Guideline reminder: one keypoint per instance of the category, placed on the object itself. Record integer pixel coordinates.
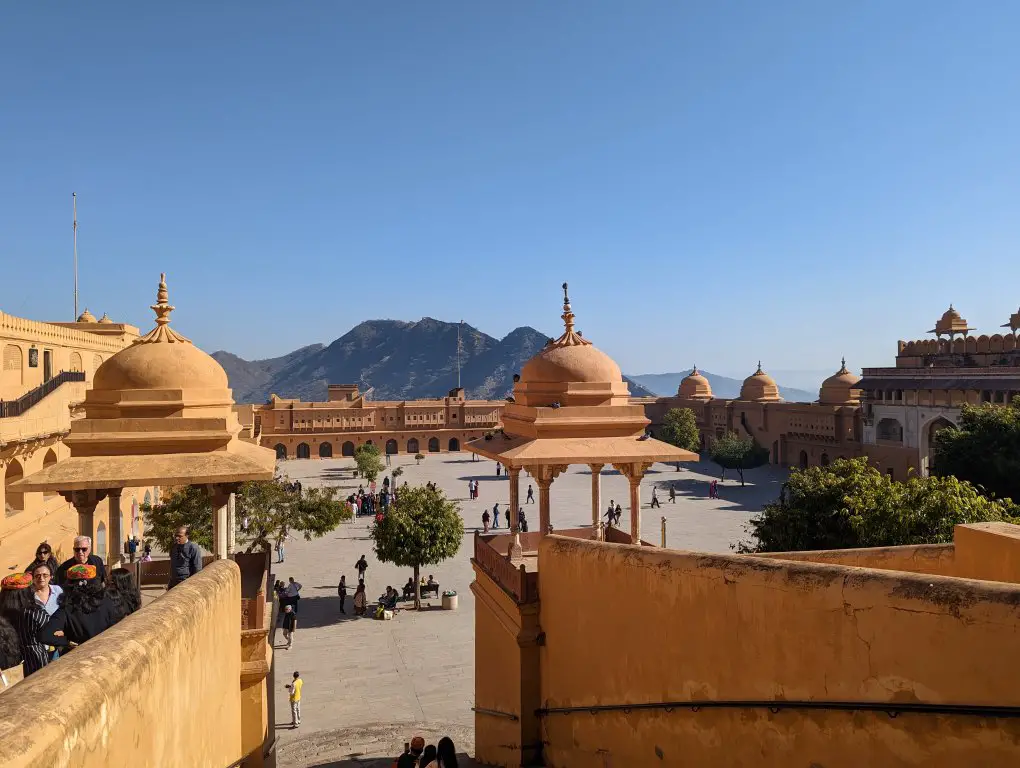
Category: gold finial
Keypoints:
(694, 370)
(570, 337)
(162, 332)
(568, 315)
(759, 371)
(842, 366)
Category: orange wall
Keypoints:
(626, 624)
(937, 559)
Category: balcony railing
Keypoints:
(13, 408)
(520, 584)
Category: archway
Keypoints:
(391, 446)
(803, 460)
(281, 451)
(347, 449)
(454, 444)
(433, 445)
(412, 445)
(147, 499)
(824, 460)
(303, 451)
(936, 426)
(48, 461)
(15, 501)
(99, 546)
(889, 429)
(775, 452)
(325, 450)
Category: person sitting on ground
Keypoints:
(85, 609)
(410, 757)
(409, 589)
(124, 592)
(360, 599)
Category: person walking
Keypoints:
(672, 493)
(360, 599)
(495, 515)
(292, 592)
(295, 686)
(485, 521)
(361, 566)
(522, 521)
(531, 494)
(185, 558)
(341, 591)
(289, 625)
(281, 543)
(508, 518)
(499, 468)
(655, 500)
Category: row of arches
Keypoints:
(391, 448)
(14, 363)
(962, 345)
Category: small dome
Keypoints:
(695, 386)
(569, 365)
(86, 317)
(759, 387)
(105, 319)
(162, 359)
(840, 388)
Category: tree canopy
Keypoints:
(735, 452)
(424, 528)
(680, 428)
(369, 462)
(851, 504)
(264, 511)
(985, 450)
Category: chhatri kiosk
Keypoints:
(570, 406)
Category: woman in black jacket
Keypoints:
(44, 554)
(85, 610)
(123, 592)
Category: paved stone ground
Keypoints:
(365, 678)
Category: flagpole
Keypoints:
(74, 204)
(458, 352)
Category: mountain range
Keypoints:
(399, 360)
(665, 384)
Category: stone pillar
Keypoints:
(115, 547)
(231, 524)
(514, 473)
(596, 498)
(85, 504)
(634, 472)
(219, 495)
(544, 476)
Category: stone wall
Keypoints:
(161, 688)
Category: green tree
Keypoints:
(418, 457)
(369, 462)
(395, 474)
(985, 450)
(735, 452)
(680, 428)
(425, 528)
(264, 512)
(851, 504)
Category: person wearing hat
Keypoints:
(82, 556)
(22, 612)
(85, 609)
(410, 757)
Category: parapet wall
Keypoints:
(162, 688)
(629, 625)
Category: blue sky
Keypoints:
(719, 182)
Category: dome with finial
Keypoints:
(1014, 322)
(86, 317)
(695, 386)
(759, 387)
(840, 388)
(161, 360)
(950, 324)
(105, 319)
(570, 370)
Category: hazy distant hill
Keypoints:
(395, 359)
(722, 386)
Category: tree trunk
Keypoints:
(417, 588)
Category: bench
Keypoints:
(425, 590)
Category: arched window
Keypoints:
(824, 460)
(76, 363)
(325, 450)
(433, 445)
(100, 544)
(97, 361)
(412, 445)
(454, 444)
(147, 499)
(347, 449)
(391, 446)
(281, 451)
(803, 460)
(15, 501)
(49, 461)
(13, 368)
(889, 429)
(303, 451)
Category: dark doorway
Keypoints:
(391, 447)
(434, 445)
(454, 444)
(325, 450)
(281, 451)
(412, 445)
(303, 451)
(347, 449)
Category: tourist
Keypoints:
(185, 558)
(361, 566)
(409, 589)
(499, 468)
(293, 593)
(44, 554)
(295, 687)
(495, 515)
(446, 753)
(618, 515)
(11, 603)
(522, 521)
(132, 548)
(428, 756)
(508, 518)
(44, 591)
(21, 611)
(124, 592)
(713, 489)
(10, 649)
(147, 552)
(531, 494)
(672, 493)
(655, 500)
(411, 753)
(341, 592)
(289, 625)
(85, 609)
(485, 521)
(471, 489)
(360, 599)
(281, 541)
(611, 515)
(82, 556)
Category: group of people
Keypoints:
(419, 755)
(373, 502)
(493, 519)
(50, 608)
(289, 595)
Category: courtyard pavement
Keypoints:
(365, 678)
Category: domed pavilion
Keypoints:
(572, 406)
(759, 387)
(951, 325)
(695, 386)
(159, 413)
(840, 388)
